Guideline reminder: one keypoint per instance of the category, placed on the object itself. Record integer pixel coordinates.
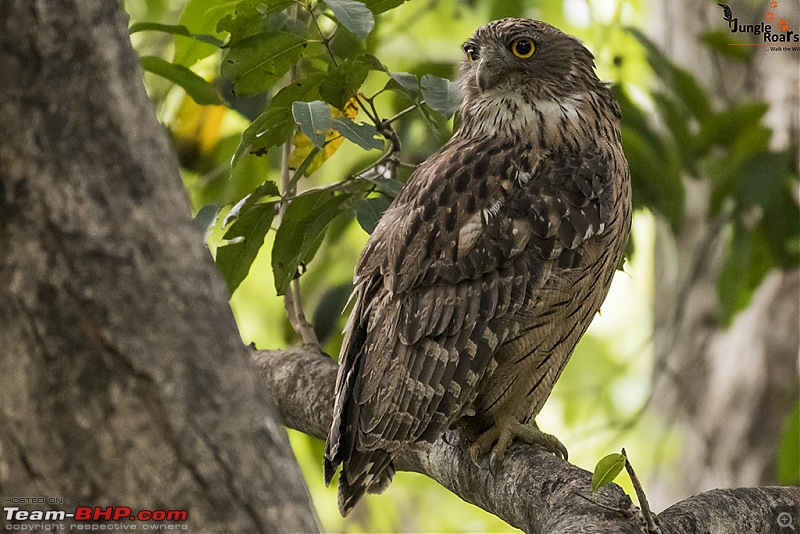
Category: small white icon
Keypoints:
(785, 520)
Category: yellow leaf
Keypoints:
(333, 140)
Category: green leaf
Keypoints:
(276, 124)
(781, 226)
(690, 91)
(723, 42)
(200, 17)
(761, 179)
(747, 169)
(655, 174)
(679, 81)
(390, 187)
(245, 238)
(313, 118)
(304, 90)
(268, 189)
(270, 129)
(364, 135)
(206, 218)
(304, 224)
(254, 64)
(404, 82)
(766, 229)
(345, 45)
(724, 127)
(372, 62)
(369, 211)
(633, 117)
(732, 288)
(342, 83)
(249, 18)
(678, 125)
(379, 6)
(353, 15)
(607, 470)
(441, 95)
(301, 169)
(174, 29)
(196, 87)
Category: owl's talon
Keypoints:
(496, 461)
(474, 454)
(483, 444)
(500, 436)
(560, 449)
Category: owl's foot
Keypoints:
(498, 438)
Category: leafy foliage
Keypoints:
(751, 184)
(313, 77)
(303, 227)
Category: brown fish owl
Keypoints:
(487, 269)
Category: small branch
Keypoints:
(325, 39)
(391, 158)
(409, 109)
(652, 528)
(374, 116)
(294, 310)
(292, 302)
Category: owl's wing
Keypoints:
(477, 230)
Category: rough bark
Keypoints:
(123, 380)
(727, 390)
(534, 490)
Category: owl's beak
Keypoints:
(487, 75)
(483, 77)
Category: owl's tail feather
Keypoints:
(369, 472)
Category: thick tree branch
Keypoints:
(534, 491)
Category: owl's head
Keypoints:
(525, 56)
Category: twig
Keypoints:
(291, 300)
(391, 158)
(294, 310)
(601, 505)
(402, 113)
(652, 528)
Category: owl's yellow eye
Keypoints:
(472, 54)
(523, 48)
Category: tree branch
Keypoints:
(534, 491)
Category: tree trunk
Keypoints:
(729, 390)
(123, 380)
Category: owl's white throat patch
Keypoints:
(513, 114)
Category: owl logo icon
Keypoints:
(727, 14)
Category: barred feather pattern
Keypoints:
(486, 270)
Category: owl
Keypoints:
(487, 269)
